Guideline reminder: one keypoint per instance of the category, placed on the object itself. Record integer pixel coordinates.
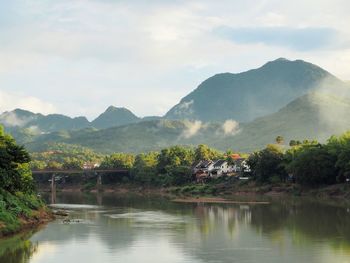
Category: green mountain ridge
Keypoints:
(303, 118)
(39, 123)
(319, 109)
(251, 94)
(312, 116)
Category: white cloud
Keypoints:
(192, 128)
(10, 101)
(230, 127)
(146, 55)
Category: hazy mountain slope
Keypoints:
(39, 123)
(56, 122)
(113, 117)
(36, 123)
(255, 93)
(312, 116)
(137, 137)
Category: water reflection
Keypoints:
(110, 228)
(17, 249)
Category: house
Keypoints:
(239, 166)
(220, 168)
(202, 169)
(90, 166)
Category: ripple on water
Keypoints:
(151, 219)
(74, 206)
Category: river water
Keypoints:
(115, 228)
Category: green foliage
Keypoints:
(279, 139)
(203, 152)
(308, 162)
(14, 206)
(15, 174)
(118, 160)
(314, 166)
(267, 164)
(145, 167)
(340, 147)
(64, 156)
(173, 157)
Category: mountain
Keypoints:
(294, 99)
(114, 116)
(316, 115)
(312, 116)
(251, 94)
(39, 123)
(137, 137)
(36, 123)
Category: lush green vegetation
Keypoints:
(308, 163)
(171, 166)
(64, 156)
(18, 201)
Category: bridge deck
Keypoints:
(79, 171)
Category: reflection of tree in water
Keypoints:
(213, 231)
(307, 221)
(17, 249)
(269, 218)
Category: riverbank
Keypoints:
(19, 212)
(218, 188)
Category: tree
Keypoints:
(145, 167)
(293, 143)
(267, 164)
(174, 156)
(314, 166)
(118, 160)
(15, 174)
(279, 139)
(203, 152)
(340, 147)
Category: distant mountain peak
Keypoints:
(114, 116)
(113, 109)
(247, 95)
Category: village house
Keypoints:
(239, 165)
(206, 169)
(220, 168)
(201, 169)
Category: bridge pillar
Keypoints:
(53, 189)
(99, 181)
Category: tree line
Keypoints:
(308, 163)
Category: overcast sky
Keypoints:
(77, 57)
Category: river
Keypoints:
(115, 228)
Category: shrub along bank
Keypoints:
(19, 205)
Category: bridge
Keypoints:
(58, 175)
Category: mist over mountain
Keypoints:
(313, 116)
(251, 94)
(301, 119)
(39, 123)
(294, 99)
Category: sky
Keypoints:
(77, 57)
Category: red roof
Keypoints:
(235, 156)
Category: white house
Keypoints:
(220, 168)
(239, 165)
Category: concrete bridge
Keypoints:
(54, 176)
